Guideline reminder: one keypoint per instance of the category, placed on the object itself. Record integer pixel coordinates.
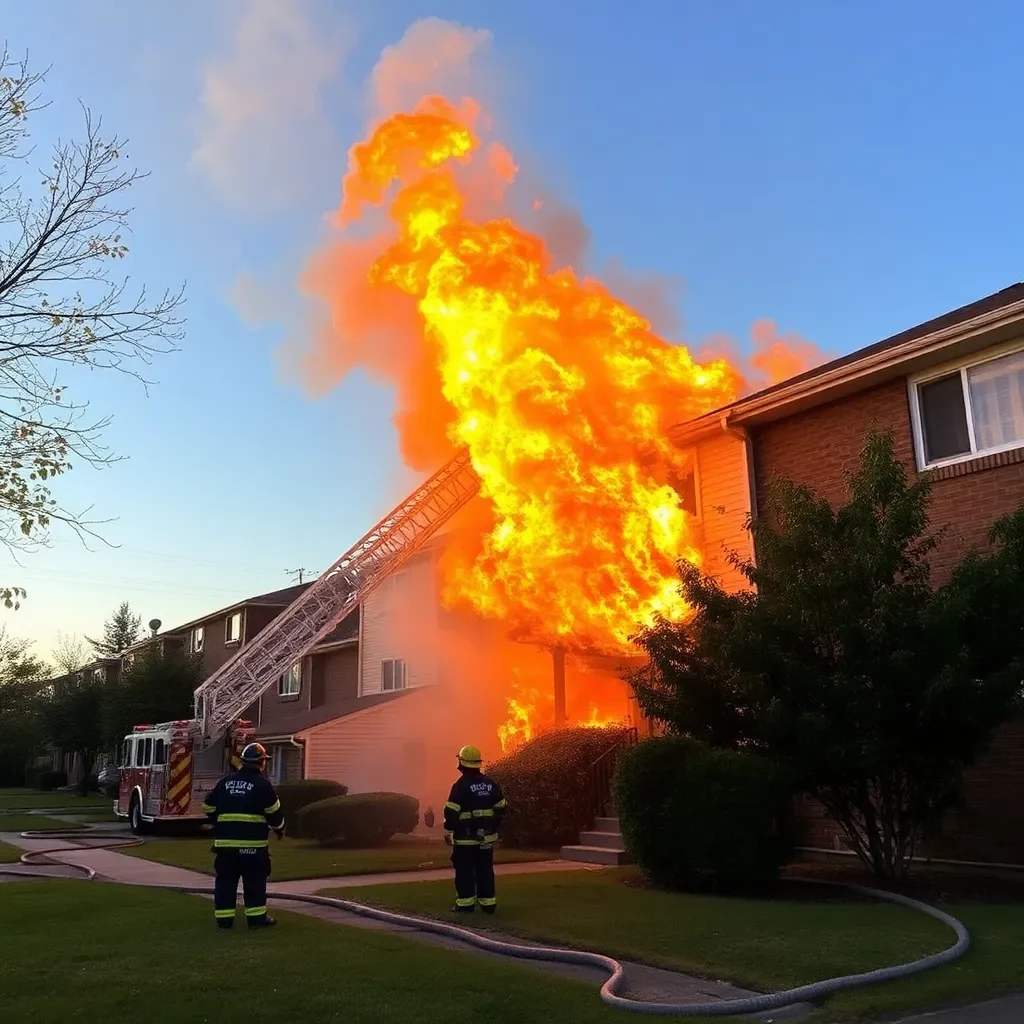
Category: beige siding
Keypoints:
(406, 745)
(400, 620)
(725, 505)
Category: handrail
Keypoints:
(601, 773)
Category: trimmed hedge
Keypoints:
(363, 819)
(545, 784)
(690, 813)
(301, 792)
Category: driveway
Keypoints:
(1009, 1010)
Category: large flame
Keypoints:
(561, 392)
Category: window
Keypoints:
(291, 682)
(129, 660)
(160, 752)
(973, 410)
(392, 674)
(233, 628)
(99, 674)
(144, 752)
(277, 765)
(126, 755)
(196, 640)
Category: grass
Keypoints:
(72, 951)
(9, 854)
(766, 945)
(25, 822)
(300, 858)
(31, 799)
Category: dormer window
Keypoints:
(196, 638)
(233, 628)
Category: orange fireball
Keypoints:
(561, 392)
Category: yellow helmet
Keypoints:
(469, 757)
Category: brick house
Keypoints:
(952, 392)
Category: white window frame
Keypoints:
(293, 675)
(277, 764)
(235, 617)
(394, 663)
(963, 366)
(196, 640)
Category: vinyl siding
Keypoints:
(400, 620)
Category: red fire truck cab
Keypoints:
(165, 774)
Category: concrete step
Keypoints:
(606, 824)
(608, 840)
(595, 855)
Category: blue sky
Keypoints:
(845, 170)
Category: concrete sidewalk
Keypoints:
(1008, 1010)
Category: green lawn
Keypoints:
(9, 854)
(25, 822)
(300, 858)
(768, 945)
(31, 799)
(71, 951)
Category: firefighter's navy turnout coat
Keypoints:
(475, 808)
(242, 807)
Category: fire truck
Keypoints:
(167, 769)
(164, 773)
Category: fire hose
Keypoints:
(616, 973)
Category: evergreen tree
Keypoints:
(120, 631)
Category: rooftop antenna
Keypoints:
(300, 574)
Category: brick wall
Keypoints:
(818, 447)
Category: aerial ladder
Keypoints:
(224, 696)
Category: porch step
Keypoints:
(606, 825)
(607, 840)
(595, 855)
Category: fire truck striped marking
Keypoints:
(179, 782)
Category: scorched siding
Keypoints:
(400, 620)
(725, 505)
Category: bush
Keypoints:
(48, 780)
(364, 819)
(545, 784)
(690, 812)
(302, 792)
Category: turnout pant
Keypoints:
(474, 878)
(252, 866)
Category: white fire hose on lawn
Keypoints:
(609, 990)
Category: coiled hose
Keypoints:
(616, 974)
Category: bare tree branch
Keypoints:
(62, 305)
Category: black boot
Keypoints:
(461, 910)
(225, 925)
(262, 922)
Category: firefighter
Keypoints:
(472, 818)
(242, 806)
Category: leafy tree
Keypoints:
(69, 653)
(72, 721)
(120, 631)
(843, 664)
(156, 688)
(22, 678)
(61, 305)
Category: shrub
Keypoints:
(690, 812)
(301, 792)
(363, 819)
(48, 780)
(545, 784)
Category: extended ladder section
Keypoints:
(222, 698)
